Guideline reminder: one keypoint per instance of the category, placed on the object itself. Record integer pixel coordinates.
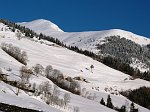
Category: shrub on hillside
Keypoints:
(15, 52)
(58, 78)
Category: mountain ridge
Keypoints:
(63, 36)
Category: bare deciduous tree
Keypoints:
(24, 57)
(47, 87)
(48, 71)
(83, 92)
(1, 71)
(56, 73)
(18, 35)
(75, 87)
(76, 109)
(67, 99)
(25, 74)
(34, 86)
(38, 69)
(55, 94)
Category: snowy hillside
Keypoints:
(11, 66)
(101, 82)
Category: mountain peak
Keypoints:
(41, 26)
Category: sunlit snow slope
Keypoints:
(71, 64)
(44, 55)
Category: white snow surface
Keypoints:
(71, 64)
(41, 25)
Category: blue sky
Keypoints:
(82, 15)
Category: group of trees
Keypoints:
(145, 75)
(25, 74)
(38, 69)
(87, 94)
(1, 71)
(123, 108)
(2, 77)
(50, 94)
(14, 26)
(84, 52)
(58, 78)
(116, 63)
(51, 39)
(140, 96)
(15, 52)
(118, 53)
(124, 49)
(109, 102)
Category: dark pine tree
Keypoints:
(122, 109)
(109, 103)
(132, 108)
(102, 101)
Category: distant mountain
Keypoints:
(41, 26)
(99, 42)
(85, 40)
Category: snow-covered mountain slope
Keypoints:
(71, 64)
(89, 40)
(42, 26)
(85, 40)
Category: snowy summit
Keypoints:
(41, 26)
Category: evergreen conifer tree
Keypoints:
(102, 101)
(109, 103)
